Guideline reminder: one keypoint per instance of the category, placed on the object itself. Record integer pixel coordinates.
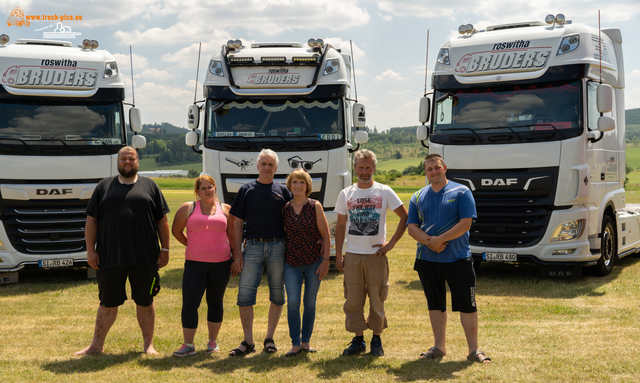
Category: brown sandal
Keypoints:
(478, 356)
(433, 353)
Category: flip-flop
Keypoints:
(435, 353)
(478, 356)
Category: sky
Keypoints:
(389, 40)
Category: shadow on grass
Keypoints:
(89, 363)
(497, 279)
(33, 281)
(421, 370)
(334, 368)
(170, 362)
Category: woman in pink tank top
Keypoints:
(207, 264)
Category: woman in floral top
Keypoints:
(306, 258)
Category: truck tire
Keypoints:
(608, 247)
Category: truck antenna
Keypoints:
(353, 64)
(426, 65)
(600, 45)
(133, 92)
(195, 91)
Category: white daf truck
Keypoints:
(61, 128)
(530, 116)
(287, 97)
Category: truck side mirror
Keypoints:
(191, 138)
(422, 133)
(193, 118)
(604, 99)
(135, 120)
(138, 141)
(425, 109)
(360, 137)
(606, 124)
(359, 116)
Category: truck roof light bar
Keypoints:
(466, 29)
(273, 59)
(237, 59)
(52, 43)
(4, 38)
(312, 59)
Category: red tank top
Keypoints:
(207, 236)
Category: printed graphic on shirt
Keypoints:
(364, 216)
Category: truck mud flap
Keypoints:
(560, 271)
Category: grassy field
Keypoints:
(535, 329)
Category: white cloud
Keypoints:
(388, 75)
(345, 45)
(385, 17)
(497, 12)
(124, 63)
(264, 17)
(156, 74)
(162, 103)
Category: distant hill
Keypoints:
(632, 116)
(162, 128)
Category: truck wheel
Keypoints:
(608, 247)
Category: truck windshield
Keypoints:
(23, 123)
(318, 119)
(550, 110)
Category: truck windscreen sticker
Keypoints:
(502, 59)
(31, 75)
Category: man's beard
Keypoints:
(365, 181)
(128, 173)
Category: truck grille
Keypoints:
(508, 214)
(56, 228)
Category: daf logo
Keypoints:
(53, 191)
(499, 182)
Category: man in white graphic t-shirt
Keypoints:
(362, 211)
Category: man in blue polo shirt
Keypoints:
(440, 217)
(259, 203)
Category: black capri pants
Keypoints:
(198, 277)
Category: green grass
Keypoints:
(632, 156)
(535, 329)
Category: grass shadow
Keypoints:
(34, 281)
(334, 368)
(170, 362)
(421, 370)
(89, 363)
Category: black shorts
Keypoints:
(460, 277)
(112, 285)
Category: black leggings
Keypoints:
(198, 277)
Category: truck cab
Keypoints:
(292, 98)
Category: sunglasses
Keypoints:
(296, 162)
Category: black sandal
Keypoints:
(269, 349)
(248, 349)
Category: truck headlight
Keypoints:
(443, 56)
(568, 231)
(332, 66)
(110, 69)
(569, 44)
(215, 68)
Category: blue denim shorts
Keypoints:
(256, 255)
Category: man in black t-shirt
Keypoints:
(259, 203)
(125, 217)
